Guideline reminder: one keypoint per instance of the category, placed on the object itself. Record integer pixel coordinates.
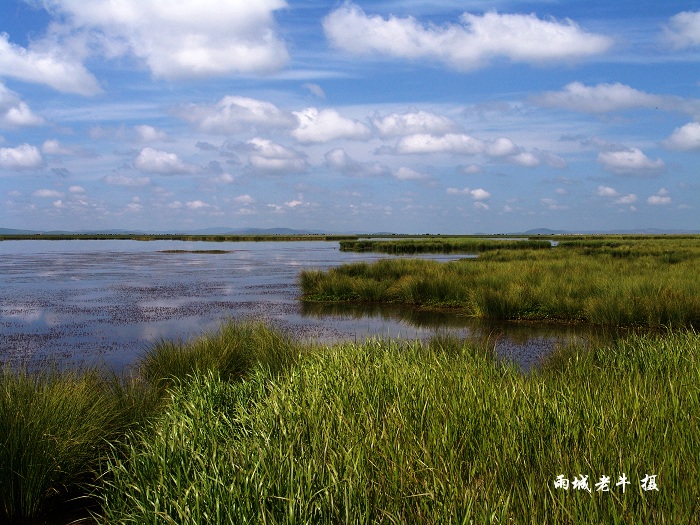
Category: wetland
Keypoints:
(258, 382)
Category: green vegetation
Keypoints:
(247, 426)
(647, 282)
(442, 245)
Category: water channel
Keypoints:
(106, 301)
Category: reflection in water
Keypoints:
(106, 301)
(525, 343)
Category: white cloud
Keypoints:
(606, 191)
(233, 114)
(601, 98)
(411, 123)
(448, 143)
(272, 157)
(197, 205)
(147, 133)
(76, 190)
(315, 90)
(630, 198)
(188, 38)
(326, 125)
(685, 138)
(339, 160)
(14, 112)
(129, 182)
(404, 173)
(481, 206)
(23, 157)
(154, 161)
(525, 159)
(631, 161)
(683, 29)
(47, 194)
(244, 199)
(466, 46)
(661, 198)
(54, 147)
(478, 194)
(50, 66)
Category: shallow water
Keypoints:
(106, 301)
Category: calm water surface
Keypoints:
(106, 301)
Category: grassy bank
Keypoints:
(441, 245)
(247, 426)
(647, 282)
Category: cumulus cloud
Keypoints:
(606, 191)
(244, 199)
(601, 98)
(129, 182)
(271, 157)
(54, 147)
(48, 194)
(422, 143)
(404, 173)
(338, 159)
(189, 38)
(411, 123)
(197, 205)
(233, 114)
(685, 138)
(50, 66)
(661, 198)
(147, 133)
(23, 157)
(14, 112)
(502, 149)
(683, 29)
(478, 194)
(326, 125)
(315, 90)
(155, 161)
(466, 46)
(630, 198)
(630, 161)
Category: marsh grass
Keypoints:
(232, 351)
(387, 432)
(55, 428)
(617, 282)
(442, 245)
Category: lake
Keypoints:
(106, 301)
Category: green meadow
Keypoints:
(248, 425)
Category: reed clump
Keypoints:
(618, 282)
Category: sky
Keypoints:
(412, 116)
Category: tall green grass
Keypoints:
(387, 432)
(55, 429)
(650, 284)
(58, 427)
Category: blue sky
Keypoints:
(415, 116)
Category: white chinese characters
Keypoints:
(580, 482)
